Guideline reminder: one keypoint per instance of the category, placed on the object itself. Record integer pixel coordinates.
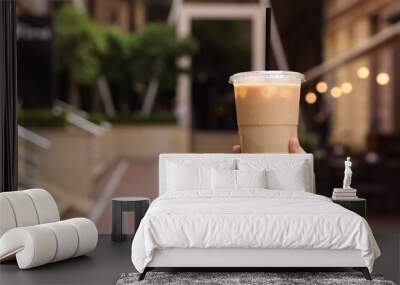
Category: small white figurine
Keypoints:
(347, 174)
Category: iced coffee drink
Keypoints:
(267, 109)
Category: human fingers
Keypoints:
(236, 149)
(294, 146)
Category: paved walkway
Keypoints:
(126, 177)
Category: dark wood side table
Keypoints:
(138, 205)
(358, 205)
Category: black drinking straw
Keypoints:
(268, 38)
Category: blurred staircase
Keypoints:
(52, 159)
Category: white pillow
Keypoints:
(223, 179)
(236, 179)
(251, 178)
(291, 179)
(183, 175)
(282, 174)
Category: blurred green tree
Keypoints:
(80, 43)
(117, 62)
(145, 61)
(141, 64)
(156, 63)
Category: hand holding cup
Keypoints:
(293, 147)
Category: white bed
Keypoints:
(201, 220)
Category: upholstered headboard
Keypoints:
(237, 159)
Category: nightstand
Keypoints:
(358, 205)
(138, 205)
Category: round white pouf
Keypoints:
(67, 240)
(52, 242)
(46, 207)
(33, 246)
(23, 208)
(87, 233)
(7, 218)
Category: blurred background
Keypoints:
(105, 86)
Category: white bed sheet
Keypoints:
(252, 218)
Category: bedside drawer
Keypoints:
(358, 206)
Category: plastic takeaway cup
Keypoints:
(267, 109)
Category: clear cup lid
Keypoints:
(270, 76)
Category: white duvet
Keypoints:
(250, 219)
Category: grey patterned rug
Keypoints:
(230, 278)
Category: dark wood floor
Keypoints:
(106, 264)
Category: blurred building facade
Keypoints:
(361, 40)
(370, 108)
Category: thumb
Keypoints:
(236, 149)
(294, 146)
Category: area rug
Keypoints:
(243, 278)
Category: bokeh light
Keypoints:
(311, 98)
(363, 72)
(346, 87)
(336, 92)
(321, 87)
(382, 78)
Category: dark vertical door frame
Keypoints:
(8, 97)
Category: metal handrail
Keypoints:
(70, 108)
(85, 124)
(76, 117)
(33, 138)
